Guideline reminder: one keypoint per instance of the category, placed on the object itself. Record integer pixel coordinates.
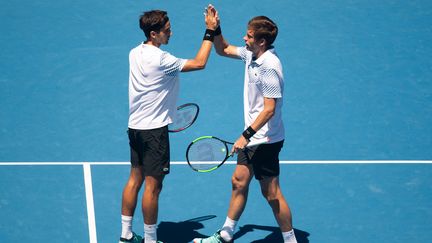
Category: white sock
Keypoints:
(289, 237)
(150, 235)
(126, 227)
(227, 232)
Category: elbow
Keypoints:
(201, 66)
(270, 113)
(222, 52)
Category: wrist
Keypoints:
(248, 133)
(209, 35)
(218, 31)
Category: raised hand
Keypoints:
(211, 17)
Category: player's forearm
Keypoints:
(259, 122)
(262, 119)
(265, 115)
(201, 58)
(223, 48)
(220, 44)
(203, 54)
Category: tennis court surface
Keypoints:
(357, 112)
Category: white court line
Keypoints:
(90, 203)
(298, 162)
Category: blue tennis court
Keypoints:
(357, 112)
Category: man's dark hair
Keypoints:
(153, 20)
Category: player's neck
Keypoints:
(259, 52)
(152, 43)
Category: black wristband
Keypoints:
(209, 35)
(218, 31)
(248, 133)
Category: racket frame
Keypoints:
(227, 154)
(191, 122)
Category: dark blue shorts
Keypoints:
(150, 149)
(264, 159)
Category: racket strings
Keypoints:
(184, 118)
(206, 154)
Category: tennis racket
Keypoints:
(186, 116)
(207, 153)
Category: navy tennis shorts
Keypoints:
(150, 149)
(264, 159)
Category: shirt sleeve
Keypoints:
(171, 65)
(243, 53)
(271, 83)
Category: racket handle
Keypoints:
(253, 143)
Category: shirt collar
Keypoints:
(260, 60)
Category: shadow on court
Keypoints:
(186, 231)
(275, 235)
(183, 231)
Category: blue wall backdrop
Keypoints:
(358, 77)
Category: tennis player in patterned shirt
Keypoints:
(263, 92)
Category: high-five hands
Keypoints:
(211, 17)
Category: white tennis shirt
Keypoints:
(153, 87)
(263, 78)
